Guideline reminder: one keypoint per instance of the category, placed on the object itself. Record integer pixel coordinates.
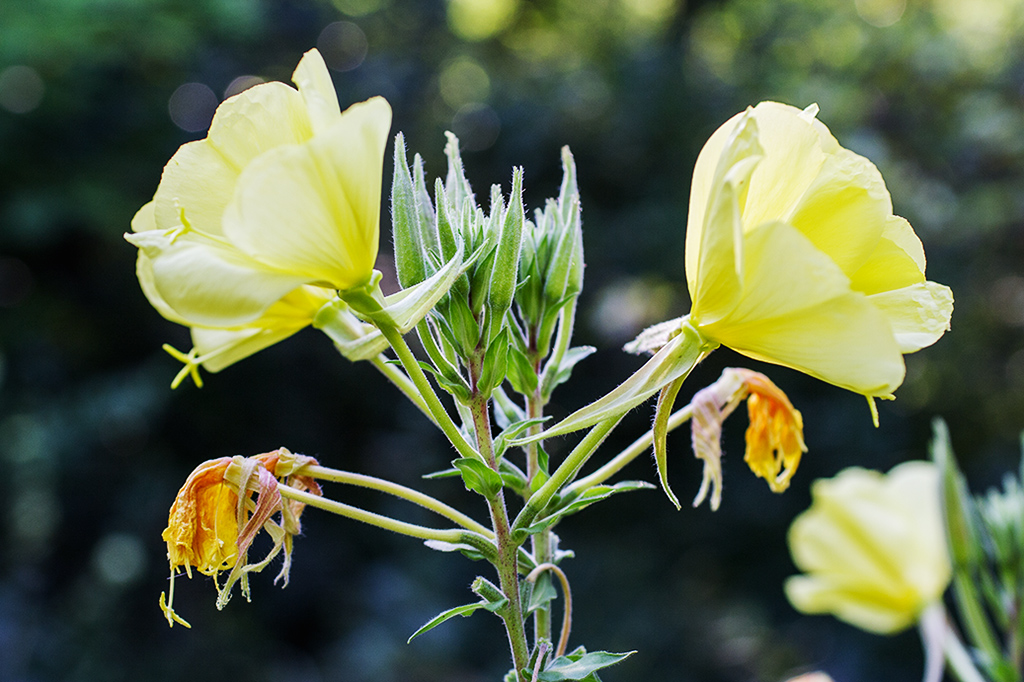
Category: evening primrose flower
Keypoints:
(794, 256)
(283, 192)
(872, 548)
(214, 519)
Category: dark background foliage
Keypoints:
(95, 96)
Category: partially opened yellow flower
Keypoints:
(794, 256)
(283, 192)
(872, 548)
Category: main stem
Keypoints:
(507, 563)
(540, 542)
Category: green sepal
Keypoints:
(520, 372)
(674, 361)
(354, 339)
(478, 477)
(579, 665)
(666, 400)
(588, 497)
(464, 610)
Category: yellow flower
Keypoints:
(872, 546)
(794, 256)
(283, 192)
(213, 520)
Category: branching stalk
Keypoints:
(400, 491)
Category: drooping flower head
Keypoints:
(215, 518)
(794, 256)
(872, 548)
(283, 192)
(774, 438)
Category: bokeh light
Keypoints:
(343, 45)
(480, 19)
(192, 106)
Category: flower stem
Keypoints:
(400, 491)
(637, 447)
(566, 470)
(402, 382)
(452, 536)
(563, 639)
(433, 403)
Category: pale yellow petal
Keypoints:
(896, 262)
(220, 348)
(918, 314)
(793, 158)
(848, 603)
(845, 210)
(206, 284)
(314, 208)
(715, 277)
(317, 90)
(798, 311)
(199, 180)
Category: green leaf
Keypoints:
(579, 665)
(520, 372)
(468, 551)
(478, 477)
(506, 412)
(464, 610)
(564, 371)
(543, 592)
(501, 443)
(589, 496)
(512, 476)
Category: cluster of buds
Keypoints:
(474, 337)
(215, 518)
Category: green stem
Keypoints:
(400, 491)
(451, 536)
(541, 542)
(402, 382)
(433, 403)
(636, 448)
(507, 562)
(566, 470)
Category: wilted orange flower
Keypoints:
(214, 519)
(775, 437)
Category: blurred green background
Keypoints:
(95, 96)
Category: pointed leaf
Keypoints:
(577, 666)
(464, 610)
(478, 477)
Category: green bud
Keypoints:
(487, 590)
(456, 185)
(494, 363)
(506, 263)
(410, 255)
